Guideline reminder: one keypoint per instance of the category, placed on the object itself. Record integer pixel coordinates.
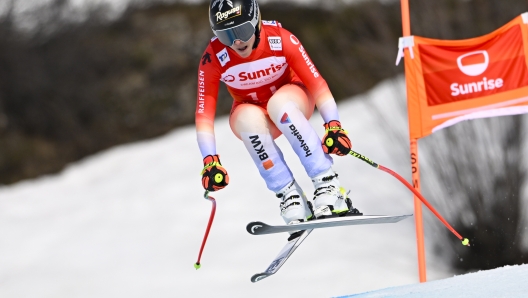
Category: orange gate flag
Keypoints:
(449, 81)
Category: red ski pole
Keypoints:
(465, 241)
(197, 265)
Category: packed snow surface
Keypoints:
(508, 282)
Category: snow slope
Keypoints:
(509, 281)
(129, 221)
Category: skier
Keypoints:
(275, 86)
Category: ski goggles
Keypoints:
(242, 32)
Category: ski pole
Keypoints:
(197, 265)
(465, 241)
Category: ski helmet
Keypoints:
(235, 20)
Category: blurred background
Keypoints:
(78, 77)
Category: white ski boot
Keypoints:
(330, 199)
(294, 206)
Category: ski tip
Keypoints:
(465, 242)
(197, 266)
(259, 277)
(253, 226)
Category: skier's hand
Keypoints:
(214, 176)
(335, 140)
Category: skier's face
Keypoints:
(244, 49)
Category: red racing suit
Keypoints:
(279, 59)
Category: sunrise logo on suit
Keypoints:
(228, 78)
(255, 74)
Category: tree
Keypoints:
(476, 172)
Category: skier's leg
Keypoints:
(251, 124)
(290, 108)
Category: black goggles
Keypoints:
(242, 32)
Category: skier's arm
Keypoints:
(214, 176)
(207, 95)
(335, 140)
(303, 66)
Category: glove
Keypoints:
(214, 176)
(335, 140)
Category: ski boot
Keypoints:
(330, 199)
(294, 206)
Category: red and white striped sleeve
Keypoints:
(206, 99)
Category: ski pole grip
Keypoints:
(363, 158)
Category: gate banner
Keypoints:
(449, 81)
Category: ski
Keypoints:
(281, 258)
(260, 228)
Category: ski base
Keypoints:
(260, 228)
(281, 258)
